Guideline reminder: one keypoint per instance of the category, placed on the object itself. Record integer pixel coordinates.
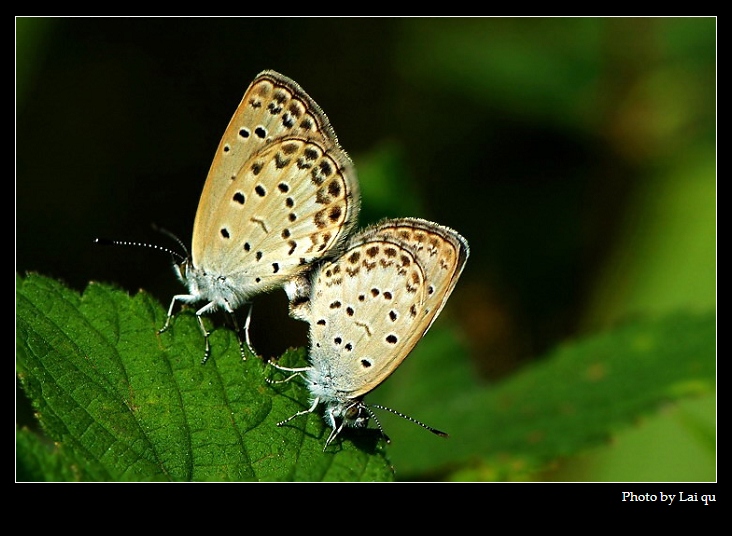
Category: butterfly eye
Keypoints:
(182, 269)
(356, 415)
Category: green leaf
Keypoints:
(38, 460)
(122, 403)
(577, 397)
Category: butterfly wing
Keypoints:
(372, 305)
(440, 251)
(365, 307)
(280, 192)
(273, 106)
(292, 202)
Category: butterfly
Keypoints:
(367, 309)
(280, 195)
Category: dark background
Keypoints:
(576, 155)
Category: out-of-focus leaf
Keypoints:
(573, 399)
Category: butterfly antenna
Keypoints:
(407, 417)
(378, 423)
(175, 254)
(109, 242)
(169, 234)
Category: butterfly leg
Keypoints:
(199, 315)
(289, 369)
(303, 412)
(177, 297)
(246, 340)
(335, 429)
(206, 333)
(295, 372)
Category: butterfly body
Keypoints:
(280, 195)
(369, 307)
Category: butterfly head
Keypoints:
(351, 413)
(346, 413)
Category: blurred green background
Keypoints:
(576, 155)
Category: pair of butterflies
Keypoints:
(277, 210)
